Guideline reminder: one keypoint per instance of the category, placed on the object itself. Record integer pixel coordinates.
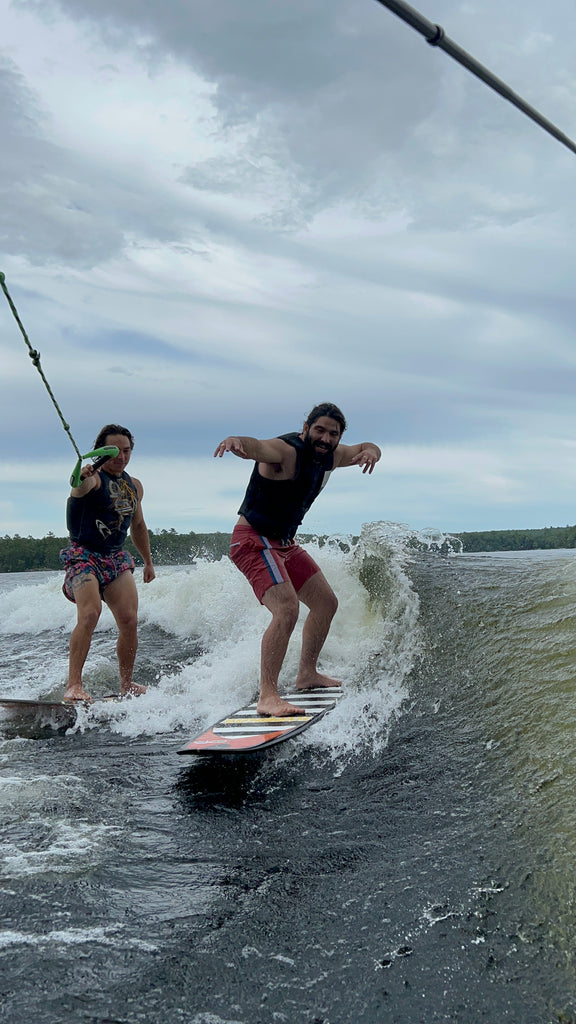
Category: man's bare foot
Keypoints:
(76, 693)
(132, 690)
(275, 707)
(315, 681)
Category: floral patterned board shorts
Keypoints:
(266, 562)
(80, 561)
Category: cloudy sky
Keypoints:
(215, 215)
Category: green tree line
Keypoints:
(23, 554)
(519, 540)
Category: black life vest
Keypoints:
(275, 508)
(100, 521)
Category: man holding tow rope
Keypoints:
(100, 511)
(104, 503)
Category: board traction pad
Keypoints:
(245, 730)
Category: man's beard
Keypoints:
(321, 452)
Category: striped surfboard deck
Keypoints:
(246, 730)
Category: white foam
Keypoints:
(30, 608)
(371, 646)
(41, 792)
(81, 844)
(109, 936)
(212, 1018)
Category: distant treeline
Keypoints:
(23, 554)
(519, 540)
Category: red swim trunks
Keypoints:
(266, 562)
(78, 561)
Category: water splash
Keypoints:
(207, 626)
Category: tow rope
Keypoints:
(101, 454)
(436, 36)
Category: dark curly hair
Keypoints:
(112, 428)
(327, 409)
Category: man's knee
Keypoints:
(88, 618)
(127, 619)
(284, 612)
(319, 597)
(287, 616)
(331, 604)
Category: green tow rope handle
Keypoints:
(101, 455)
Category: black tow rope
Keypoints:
(436, 36)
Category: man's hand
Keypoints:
(148, 574)
(231, 444)
(89, 479)
(367, 459)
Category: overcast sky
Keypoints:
(215, 215)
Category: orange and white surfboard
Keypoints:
(245, 730)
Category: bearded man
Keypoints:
(289, 474)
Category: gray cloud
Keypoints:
(324, 88)
(61, 207)
(355, 102)
(360, 221)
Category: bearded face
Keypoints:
(322, 437)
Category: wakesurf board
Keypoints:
(62, 713)
(246, 731)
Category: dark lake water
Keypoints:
(411, 858)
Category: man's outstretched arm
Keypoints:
(273, 451)
(366, 454)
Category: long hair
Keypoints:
(112, 428)
(327, 409)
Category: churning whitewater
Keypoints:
(409, 858)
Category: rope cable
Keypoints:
(35, 357)
(435, 35)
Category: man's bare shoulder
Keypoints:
(277, 459)
(137, 485)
